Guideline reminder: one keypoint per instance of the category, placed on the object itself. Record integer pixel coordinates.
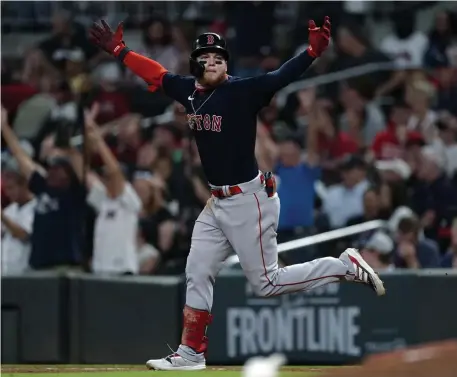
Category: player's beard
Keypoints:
(213, 79)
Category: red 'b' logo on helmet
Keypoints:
(210, 40)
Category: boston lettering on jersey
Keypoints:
(204, 122)
(223, 119)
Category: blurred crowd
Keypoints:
(99, 174)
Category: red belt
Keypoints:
(232, 190)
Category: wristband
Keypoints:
(121, 55)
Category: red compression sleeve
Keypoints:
(149, 70)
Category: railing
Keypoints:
(320, 238)
(329, 78)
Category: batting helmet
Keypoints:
(209, 42)
(206, 42)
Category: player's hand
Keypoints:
(319, 37)
(103, 37)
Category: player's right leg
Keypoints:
(253, 237)
(209, 248)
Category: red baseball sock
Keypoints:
(194, 329)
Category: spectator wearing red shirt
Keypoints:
(14, 92)
(333, 144)
(391, 143)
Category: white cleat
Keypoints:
(363, 272)
(175, 362)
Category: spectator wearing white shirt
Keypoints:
(345, 200)
(406, 46)
(446, 144)
(117, 206)
(17, 224)
(419, 95)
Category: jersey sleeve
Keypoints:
(157, 77)
(178, 87)
(265, 86)
(149, 70)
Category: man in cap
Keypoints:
(378, 252)
(56, 239)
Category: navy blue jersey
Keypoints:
(57, 229)
(224, 119)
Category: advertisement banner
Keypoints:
(77, 319)
(337, 323)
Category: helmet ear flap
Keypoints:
(197, 69)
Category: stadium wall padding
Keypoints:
(85, 319)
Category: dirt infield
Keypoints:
(122, 368)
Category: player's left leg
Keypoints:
(253, 237)
(209, 248)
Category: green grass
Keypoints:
(231, 373)
(135, 371)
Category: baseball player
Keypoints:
(242, 214)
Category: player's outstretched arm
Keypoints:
(319, 39)
(111, 42)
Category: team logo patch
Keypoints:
(210, 40)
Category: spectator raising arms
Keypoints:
(57, 229)
(17, 223)
(117, 206)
